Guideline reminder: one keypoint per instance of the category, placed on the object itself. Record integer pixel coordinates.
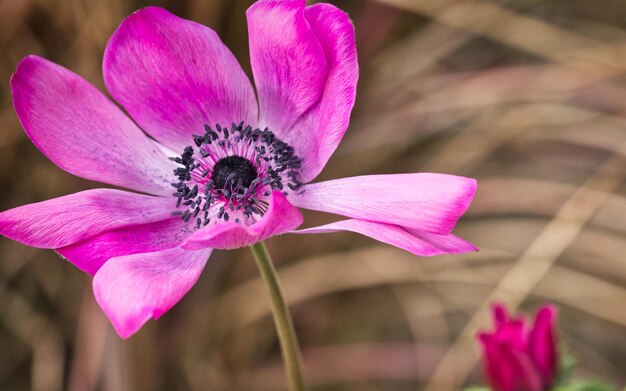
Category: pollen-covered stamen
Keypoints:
(231, 173)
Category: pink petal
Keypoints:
(496, 368)
(447, 244)
(305, 67)
(66, 220)
(288, 62)
(506, 368)
(89, 255)
(419, 243)
(542, 344)
(83, 132)
(174, 76)
(500, 314)
(426, 202)
(525, 376)
(134, 288)
(513, 333)
(280, 217)
(318, 133)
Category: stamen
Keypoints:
(230, 174)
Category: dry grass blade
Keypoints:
(585, 292)
(319, 276)
(90, 346)
(355, 363)
(520, 31)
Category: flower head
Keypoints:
(216, 165)
(520, 357)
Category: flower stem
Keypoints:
(282, 318)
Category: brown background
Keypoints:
(528, 96)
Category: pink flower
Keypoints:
(517, 358)
(238, 170)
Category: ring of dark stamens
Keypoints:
(228, 171)
(234, 179)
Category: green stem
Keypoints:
(282, 318)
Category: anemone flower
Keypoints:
(213, 165)
(518, 357)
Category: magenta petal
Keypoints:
(288, 63)
(134, 288)
(419, 243)
(447, 244)
(174, 76)
(513, 333)
(497, 369)
(507, 369)
(542, 344)
(89, 255)
(500, 314)
(426, 202)
(279, 218)
(318, 133)
(306, 70)
(66, 220)
(82, 131)
(524, 375)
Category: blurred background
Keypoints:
(528, 96)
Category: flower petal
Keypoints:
(506, 368)
(498, 371)
(542, 344)
(419, 243)
(66, 220)
(525, 376)
(513, 333)
(306, 70)
(288, 62)
(279, 218)
(82, 131)
(174, 76)
(499, 314)
(318, 133)
(89, 255)
(134, 288)
(426, 202)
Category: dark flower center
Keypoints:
(231, 170)
(231, 174)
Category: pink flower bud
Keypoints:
(519, 358)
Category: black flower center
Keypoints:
(232, 171)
